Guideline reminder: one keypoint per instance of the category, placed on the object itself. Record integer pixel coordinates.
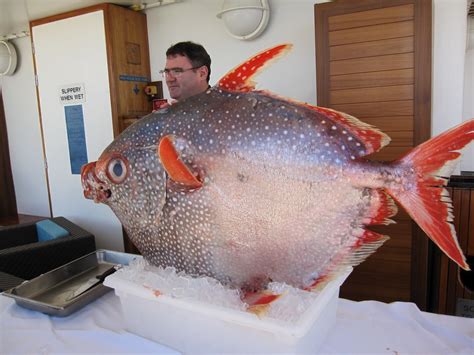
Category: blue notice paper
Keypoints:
(76, 137)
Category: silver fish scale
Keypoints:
(216, 121)
(276, 204)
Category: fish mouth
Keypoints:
(94, 188)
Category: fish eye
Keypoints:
(117, 170)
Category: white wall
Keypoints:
(449, 50)
(468, 113)
(24, 139)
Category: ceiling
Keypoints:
(15, 15)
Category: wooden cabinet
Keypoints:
(101, 51)
(452, 288)
(129, 64)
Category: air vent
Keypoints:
(470, 10)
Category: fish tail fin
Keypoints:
(424, 196)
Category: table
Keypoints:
(361, 327)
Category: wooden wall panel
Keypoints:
(400, 138)
(371, 63)
(368, 64)
(390, 154)
(390, 123)
(371, 17)
(374, 94)
(373, 48)
(372, 79)
(371, 33)
(378, 109)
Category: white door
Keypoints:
(74, 98)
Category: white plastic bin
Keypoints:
(196, 327)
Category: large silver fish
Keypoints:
(248, 187)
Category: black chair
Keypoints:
(23, 257)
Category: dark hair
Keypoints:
(195, 52)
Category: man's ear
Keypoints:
(203, 71)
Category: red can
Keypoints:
(159, 103)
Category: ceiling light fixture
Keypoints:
(245, 19)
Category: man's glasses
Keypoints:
(175, 72)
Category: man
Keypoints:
(187, 70)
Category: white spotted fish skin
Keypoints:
(248, 187)
(275, 204)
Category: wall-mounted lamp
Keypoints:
(245, 19)
(7, 58)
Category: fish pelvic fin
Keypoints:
(174, 166)
(259, 302)
(383, 208)
(424, 196)
(365, 246)
(240, 78)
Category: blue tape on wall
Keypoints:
(141, 79)
(76, 137)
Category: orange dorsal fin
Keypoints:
(177, 170)
(240, 78)
(372, 138)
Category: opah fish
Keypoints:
(247, 187)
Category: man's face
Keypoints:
(189, 82)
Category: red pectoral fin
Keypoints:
(240, 78)
(174, 166)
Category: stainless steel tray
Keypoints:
(70, 287)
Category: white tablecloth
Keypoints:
(361, 327)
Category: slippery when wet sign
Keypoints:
(72, 94)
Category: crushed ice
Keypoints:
(179, 285)
(167, 281)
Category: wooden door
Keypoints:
(373, 60)
(129, 65)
